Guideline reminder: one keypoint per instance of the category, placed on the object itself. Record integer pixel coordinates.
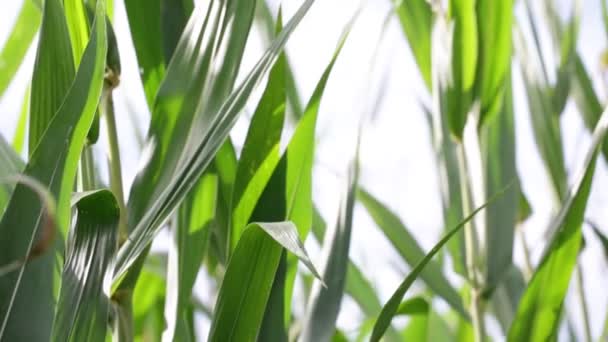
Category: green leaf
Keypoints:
(191, 237)
(494, 61)
(19, 40)
(497, 140)
(148, 306)
(298, 168)
(20, 130)
(78, 27)
(249, 277)
(53, 164)
(464, 54)
(145, 26)
(391, 307)
(53, 71)
(545, 122)
(83, 306)
(204, 148)
(189, 97)
(409, 249)
(10, 164)
(174, 15)
(267, 25)
(505, 299)
(538, 313)
(416, 20)
(446, 148)
(586, 98)
(324, 302)
(260, 154)
(413, 306)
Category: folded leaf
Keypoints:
(83, 306)
(249, 277)
(54, 165)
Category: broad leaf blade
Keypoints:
(53, 71)
(53, 164)
(260, 154)
(83, 306)
(538, 314)
(410, 250)
(249, 277)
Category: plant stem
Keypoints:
(115, 166)
(471, 251)
(583, 302)
(87, 169)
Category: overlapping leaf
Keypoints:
(29, 298)
(249, 277)
(83, 306)
(538, 314)
(202, 151)
(191, 237)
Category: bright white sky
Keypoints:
(397, 160)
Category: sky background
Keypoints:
(397, 161)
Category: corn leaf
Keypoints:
(10, 164)
(545, 122)
(19, 40)
(506, 297)
(391, 307)
(260, 154)
(463, 51)
(53, 71)
(78, 27)
(409, 249)
(324, 302)
(494, 61)
(498, 153)
(20, 130)
(83, 306)
(446, 148)
(249, 277)
(586, 98)
(203, 150)
(416, 20)
(538, 314)
(190, 240)
(54, 165)
(145, 25)
(267, 25)
(177, 109)
(173, 18)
